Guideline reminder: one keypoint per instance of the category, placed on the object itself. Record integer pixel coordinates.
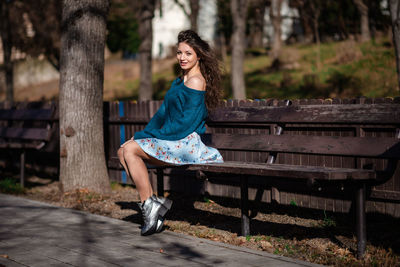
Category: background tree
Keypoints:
(238, 11)
(379, 17)
(305, 19)
(395, 16)
(224, 27)
(145, 18)
(338, 20)
(5, 34)
(192, 14)
(363, 10)
(36, 28)
(123, 28)
(276, 19)
(256, 22)
(82, 159)
(315, 9)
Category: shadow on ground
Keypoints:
(382, 230)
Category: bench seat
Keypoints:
(287, 171)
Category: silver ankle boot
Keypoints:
(152, 210)
(167, 204)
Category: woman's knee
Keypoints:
(120, 153)
(132, 149)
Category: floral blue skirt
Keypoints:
(189, 150)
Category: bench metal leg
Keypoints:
(22, 169)
(361, 223)
(160, 182)
(244, 200)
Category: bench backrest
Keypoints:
(26, 114)
(302, 134)
(25, 124)
(375, 147)
(341, 114)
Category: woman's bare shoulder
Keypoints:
(196, 82)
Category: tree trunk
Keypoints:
(276, 19)
(224, 53)
(7, 50)
(82, 159)
(239, 12)
(257, 25)
(306, 22)
(146, 42)
(194, 14)
(318, 42)
(394, 6)
(363, 9)
(316, 11)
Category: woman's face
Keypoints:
(187, 57)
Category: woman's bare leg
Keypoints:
(132, 158)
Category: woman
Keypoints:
(172, 135)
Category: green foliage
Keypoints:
(115, 185)
(123, 32)
(258, 238)
(340, 19)
(206, 200)
(328, 222)
(289, 249)
(10, 186)
(332, 11)
(293, 203)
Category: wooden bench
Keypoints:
(287, 132)
(25, 129)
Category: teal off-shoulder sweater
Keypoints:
(182, 112)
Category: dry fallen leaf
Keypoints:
(4, 256)
(161, 250)
(265, 244)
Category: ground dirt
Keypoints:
(289, 231)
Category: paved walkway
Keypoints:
(38, 234)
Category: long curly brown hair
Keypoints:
(209, 66)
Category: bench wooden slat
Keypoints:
(352, 114)
(276, 170)
(25, 133)
(288, 171)
(26, 114)
(21, 145)
(378, 147)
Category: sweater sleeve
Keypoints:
(156, 122)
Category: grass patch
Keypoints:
(328, 221)
(10, 186)
(363, 70)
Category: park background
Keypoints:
(336, 60)
(330, 51)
